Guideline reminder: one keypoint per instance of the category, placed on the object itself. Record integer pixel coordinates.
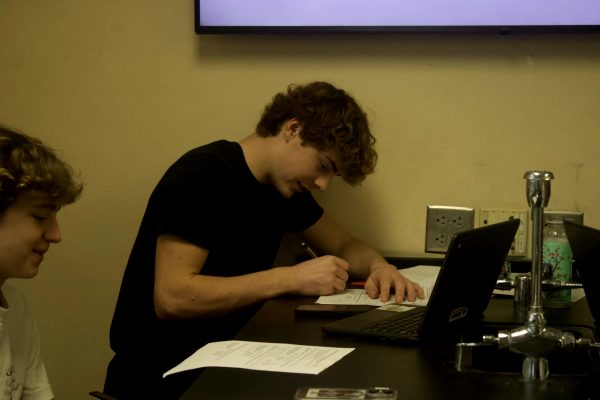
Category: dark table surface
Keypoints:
(423, 371)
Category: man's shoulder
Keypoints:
(14, 296)
(209, 164)
(18, 315)
(218, 153)
(216, 148)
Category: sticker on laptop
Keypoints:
(458, 313)
(396, 307)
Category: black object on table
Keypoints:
(424, 371)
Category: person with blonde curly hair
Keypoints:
(202, 262)
(34, 184)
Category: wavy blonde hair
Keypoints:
(27, 165)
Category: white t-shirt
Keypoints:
(22, 372)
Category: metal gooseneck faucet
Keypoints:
(538, 196)
(534, 339)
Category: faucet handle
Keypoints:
(557, 285)
(463, 356)
(486, 340)
(583, 343)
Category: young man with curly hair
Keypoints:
(202, 262)
(34, 184)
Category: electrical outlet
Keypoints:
(442, 223)
(574, 216)
(488, 216)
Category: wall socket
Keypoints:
(488, 216)
(443, 222)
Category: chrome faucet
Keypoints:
(538, 196)
(535, 340)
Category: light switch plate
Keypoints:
(488, 216)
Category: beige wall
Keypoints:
(123, 88)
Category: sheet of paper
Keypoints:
(509, 292)
(424, 275)
(577, 294)
(262, 356)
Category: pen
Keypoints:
(310, 251)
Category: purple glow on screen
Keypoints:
(398, 12)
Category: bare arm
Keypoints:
(181, 292)
(365, 262)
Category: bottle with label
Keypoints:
(557, 259)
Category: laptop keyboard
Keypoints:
(401, 324)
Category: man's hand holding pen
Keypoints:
(382, 281)
(321, 276)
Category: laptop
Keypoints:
(459, 297)
(585, 245)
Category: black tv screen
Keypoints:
(256, 16)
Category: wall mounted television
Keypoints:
(321, 16)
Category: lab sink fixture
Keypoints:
(491, 359)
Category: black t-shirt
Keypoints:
(210, 198)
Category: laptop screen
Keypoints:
(585, 244)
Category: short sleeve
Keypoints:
(303, 212)
(25, 340)
(191, 193)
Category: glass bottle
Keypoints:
(557, 259)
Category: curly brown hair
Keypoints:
(27, 165)
(330, 119)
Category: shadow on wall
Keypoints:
(406, 46)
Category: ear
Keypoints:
(291, 128)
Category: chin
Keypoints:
(286, 191)
(30, 274)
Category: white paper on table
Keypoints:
(577, 294)
(424, 275)
(502, 292)
(262, 356)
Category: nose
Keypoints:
(322, 182)
(52, 231)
